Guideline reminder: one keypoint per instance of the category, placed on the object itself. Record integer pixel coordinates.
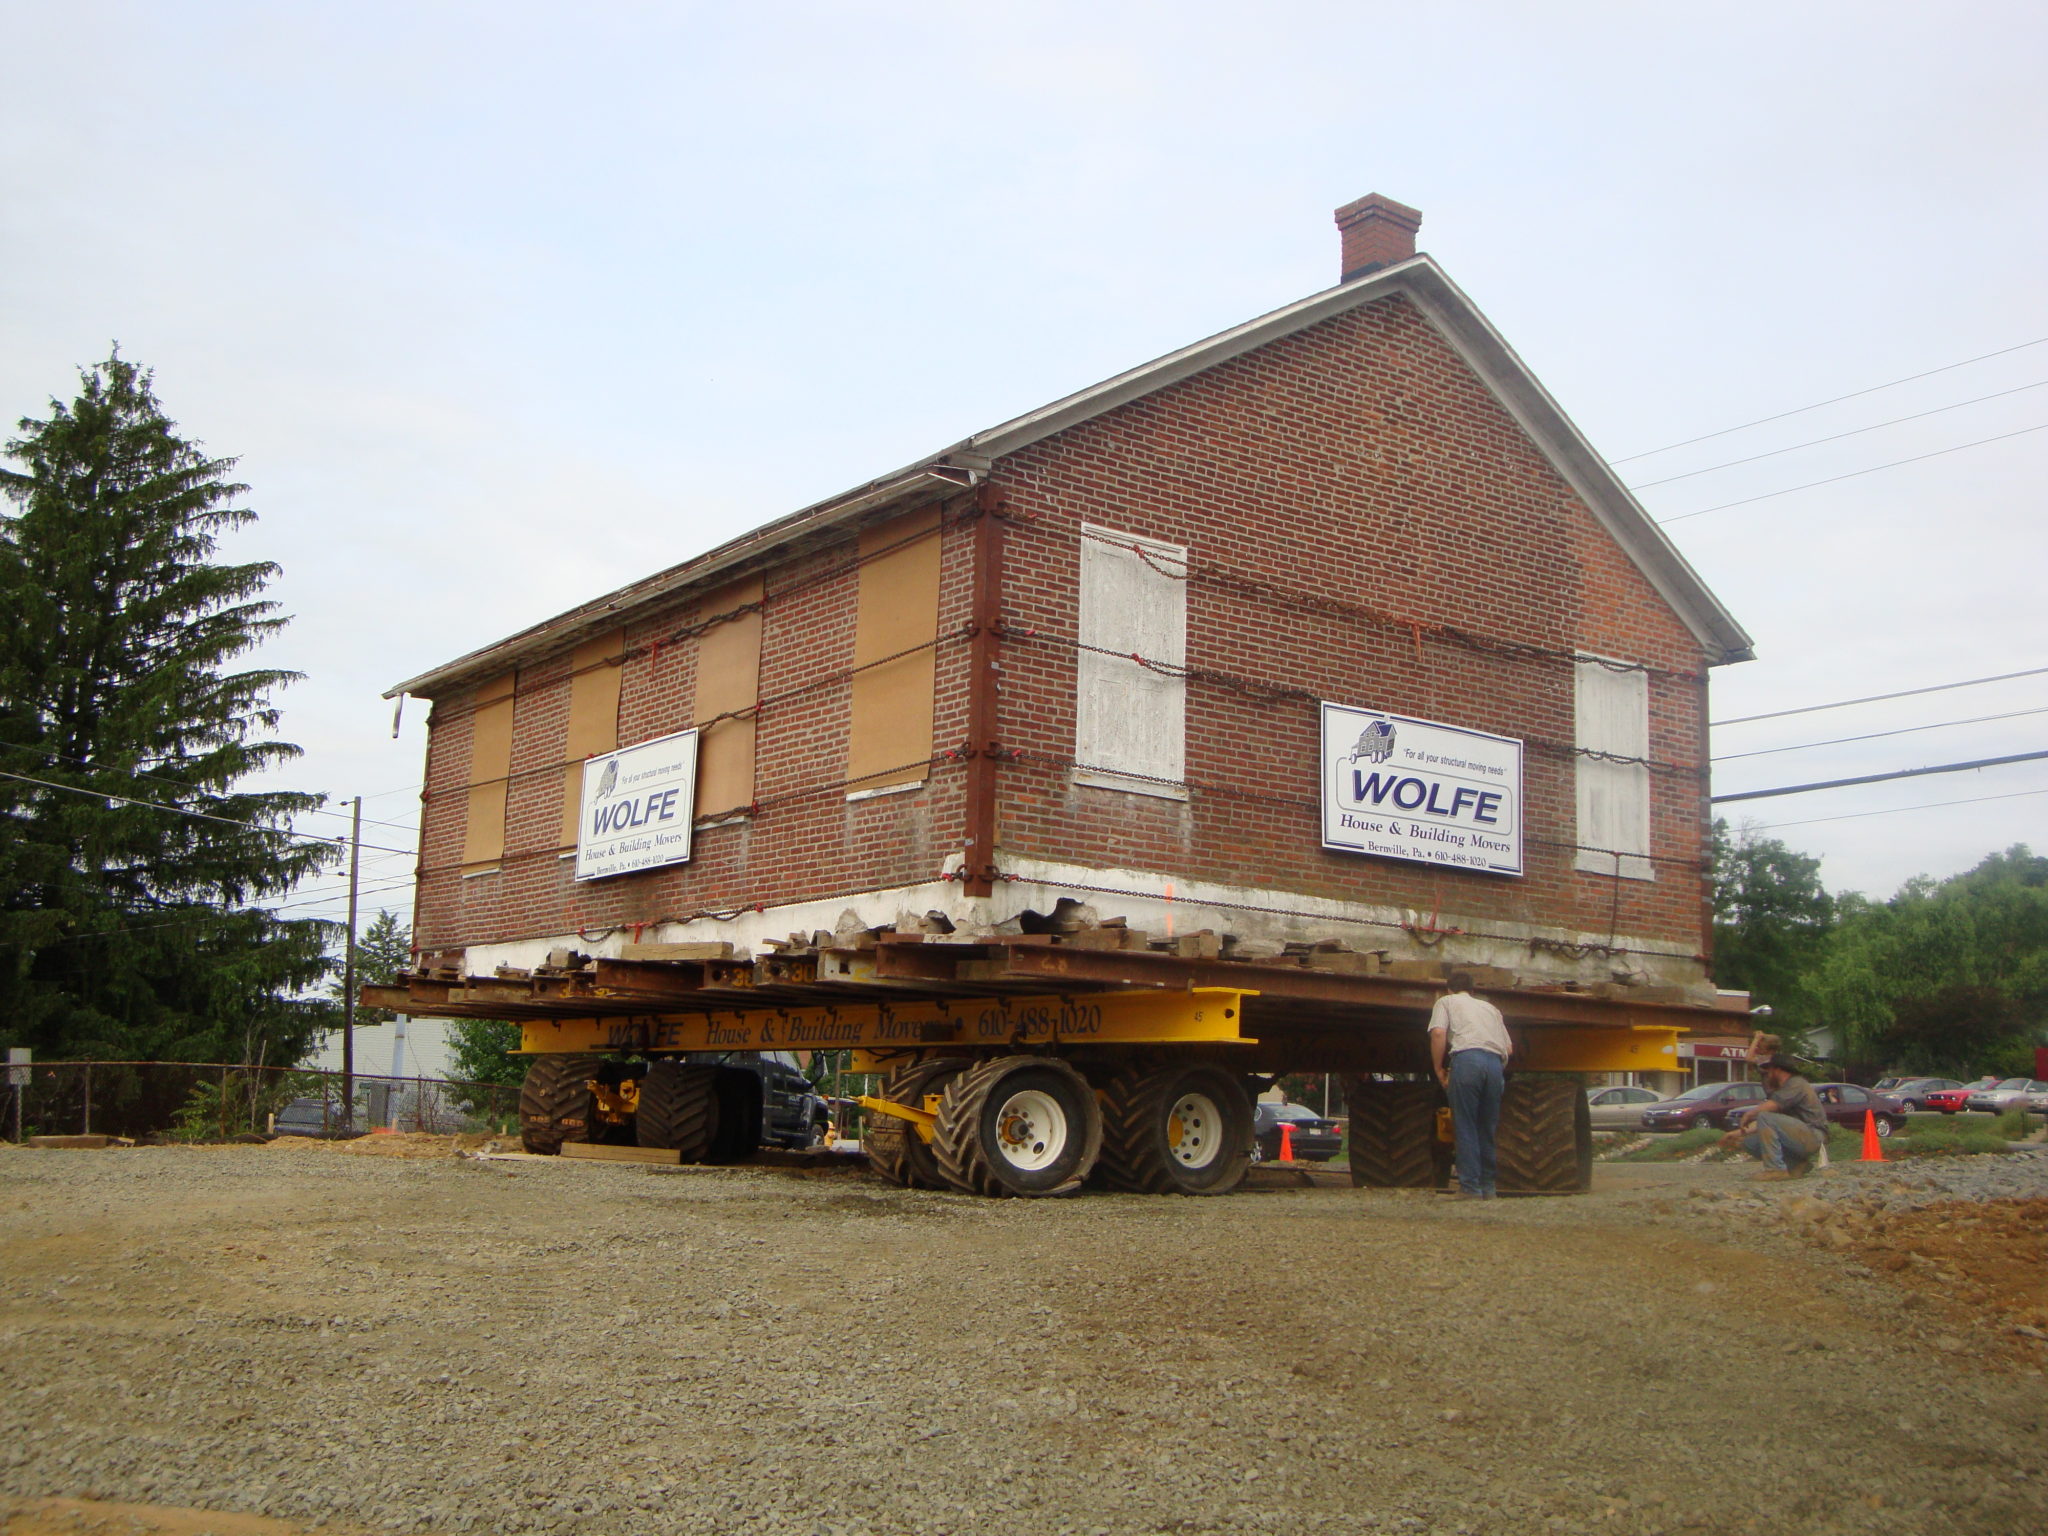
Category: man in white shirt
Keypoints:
(1469, 1048)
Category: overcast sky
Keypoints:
(504, 305)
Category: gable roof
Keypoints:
(1419, 279)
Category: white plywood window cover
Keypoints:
(1613, 709)
(1130, 720)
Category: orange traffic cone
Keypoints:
(1873, 1149)
(1286, 1142)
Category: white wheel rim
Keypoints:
(1194, 1131)
(1031, 1130)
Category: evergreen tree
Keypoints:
(383, 951)
(128, 859)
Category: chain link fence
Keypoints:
(216, 1101)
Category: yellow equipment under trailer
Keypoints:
(1029, 1067)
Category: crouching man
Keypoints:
(1788, 1129)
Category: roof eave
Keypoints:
(1419, 278)
(615, 607)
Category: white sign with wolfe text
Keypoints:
(1417, 789)
(637, 806)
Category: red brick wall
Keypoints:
(1360, 460)
(803, 841)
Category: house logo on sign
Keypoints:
(1375, 743)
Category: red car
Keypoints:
(1950, 1101)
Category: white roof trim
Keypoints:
(1419, 279)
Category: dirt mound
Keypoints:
(1988, 1258)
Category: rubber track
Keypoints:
(1134, 1154)
(1391, 1134)
(678, 1109)
(956, 1140)
(887, 1140)
(554, 1103)
(1539, 1136)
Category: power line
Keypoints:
(206, 917)
(1904, 730)
(179, 810)
(1853, 394)
(1893, 810)
(1877, 698)
(1854, 473)
(1815, 442)
(1879, 778)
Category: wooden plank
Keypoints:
(649, 979)
(720, 949)
(594, 1153)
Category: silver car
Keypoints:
(2005, 1095)
(1620, 1109)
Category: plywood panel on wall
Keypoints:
(490, 768)
(593, 718)
(728, 678)
(890, 736)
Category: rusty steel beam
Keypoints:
(1146, 968)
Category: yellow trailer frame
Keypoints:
(879, 1031)
(1202, 1016)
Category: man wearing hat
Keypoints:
(1787, 1130)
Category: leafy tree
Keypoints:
(1957, 1032)
(477, 1053)
(1772, 917)
(1952, 971)
(128, 857)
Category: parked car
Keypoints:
(1620, 1109)
(311, 1117)
(1847, 1104)
(1715, 1104)
(2003, 1094)
(1913, 1091)
(1315, 1140)
(1950, 1101)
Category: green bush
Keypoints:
(1965, 1139)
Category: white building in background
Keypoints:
(407, 1048)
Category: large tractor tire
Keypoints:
(1176, 1129)
(1392, 1133)
(895, 1151)
(678, 1109)
(1545, 1145)
(1018, 1125)
(555, 1103)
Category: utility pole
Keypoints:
(348, 975)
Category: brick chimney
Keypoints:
(1377, 232)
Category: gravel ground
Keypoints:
(453, 1345)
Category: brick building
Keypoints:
(1166, 647)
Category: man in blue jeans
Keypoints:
(1469, 1048)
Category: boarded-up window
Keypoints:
(594, 674)
(728, 678)
(1613, 797)
(1130, 719)
(490, 768)
(889, 740)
